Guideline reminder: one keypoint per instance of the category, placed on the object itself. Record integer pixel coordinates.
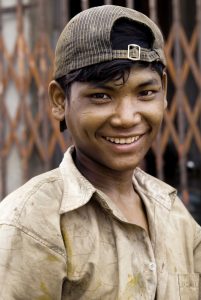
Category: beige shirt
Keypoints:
(61, 238)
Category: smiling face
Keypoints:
(113, 125)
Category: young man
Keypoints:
(98, 227)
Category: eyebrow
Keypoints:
(102, 86)
(149, 82)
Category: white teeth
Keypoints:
(122, 141)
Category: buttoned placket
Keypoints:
(149, 268)
(158, 236)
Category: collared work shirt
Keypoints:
(61, 238)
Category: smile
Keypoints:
(122, 141)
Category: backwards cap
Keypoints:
(86, 40)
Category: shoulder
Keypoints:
(34, 207)
(36, 191)
(164, 195)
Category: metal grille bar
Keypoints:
(32, 131)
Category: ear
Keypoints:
(164, 86)
(57, 100)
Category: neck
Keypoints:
(111, 182)
(117, 185)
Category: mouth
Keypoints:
(123, 141)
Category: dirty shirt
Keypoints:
(61, 238)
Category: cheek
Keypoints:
(156, 113)
(92, 117)
(84, 121)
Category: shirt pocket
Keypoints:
(189, 285)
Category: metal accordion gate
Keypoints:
(28, 132)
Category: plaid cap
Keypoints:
(86, 40)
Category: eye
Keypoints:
(100, 97)
(147, 94)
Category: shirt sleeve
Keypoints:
(197, 249)
(28, 268)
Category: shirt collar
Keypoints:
(77, 190)
(154, 188)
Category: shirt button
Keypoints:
(152, 266)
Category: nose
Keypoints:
(126, 114)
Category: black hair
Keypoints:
(124, 32)
(105, 72)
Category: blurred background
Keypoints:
(30, 141)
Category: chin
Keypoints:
(124, 167)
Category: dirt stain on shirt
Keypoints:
(52, 258)
(46, 295)
(133, 287)
(70, 268)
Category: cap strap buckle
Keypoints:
(134, 52)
